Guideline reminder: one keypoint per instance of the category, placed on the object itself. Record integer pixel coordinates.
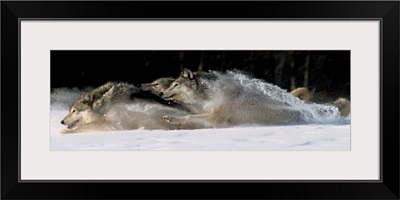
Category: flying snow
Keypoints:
(325, 129)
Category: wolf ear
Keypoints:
(87, 96)
(186, 73)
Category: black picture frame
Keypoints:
(385, 11)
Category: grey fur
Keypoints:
(158, 86)
(111, 107)
(219, 103)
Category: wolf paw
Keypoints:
(171, 120)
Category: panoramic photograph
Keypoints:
(200, 100)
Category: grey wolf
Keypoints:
(221, 101)
(190, 89)
(303, 93)
(343, 105)
(306, 94)
(91, 105)
(158, 86)
(116, 106)
(186, 88)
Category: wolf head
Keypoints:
(158, 86)
(183, 88)
(303, 93)
(80, 112)
(343, 105)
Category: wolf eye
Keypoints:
(73, 111)
(176, 84)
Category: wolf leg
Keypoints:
(172, 120)
(190, 121)
(182, 120)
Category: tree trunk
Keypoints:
(181, 56)
(306, 70)
(292, 75)
(200, 68)
(223, 62)
(283, 59)
(279, 70)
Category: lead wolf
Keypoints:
(116, 106)
(218, 101)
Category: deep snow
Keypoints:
(330, 133)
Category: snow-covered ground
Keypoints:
(322, 136)
(286, 138)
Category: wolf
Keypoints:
(216, 102)
(158, 86)
(116, 106)
(190, 89)
(303, 93)
(92, 105)
(306, 94)
(343, 105)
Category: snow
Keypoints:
(283, 138)
(324, 128)
(330, 136)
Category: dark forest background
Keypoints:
(326, 71)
